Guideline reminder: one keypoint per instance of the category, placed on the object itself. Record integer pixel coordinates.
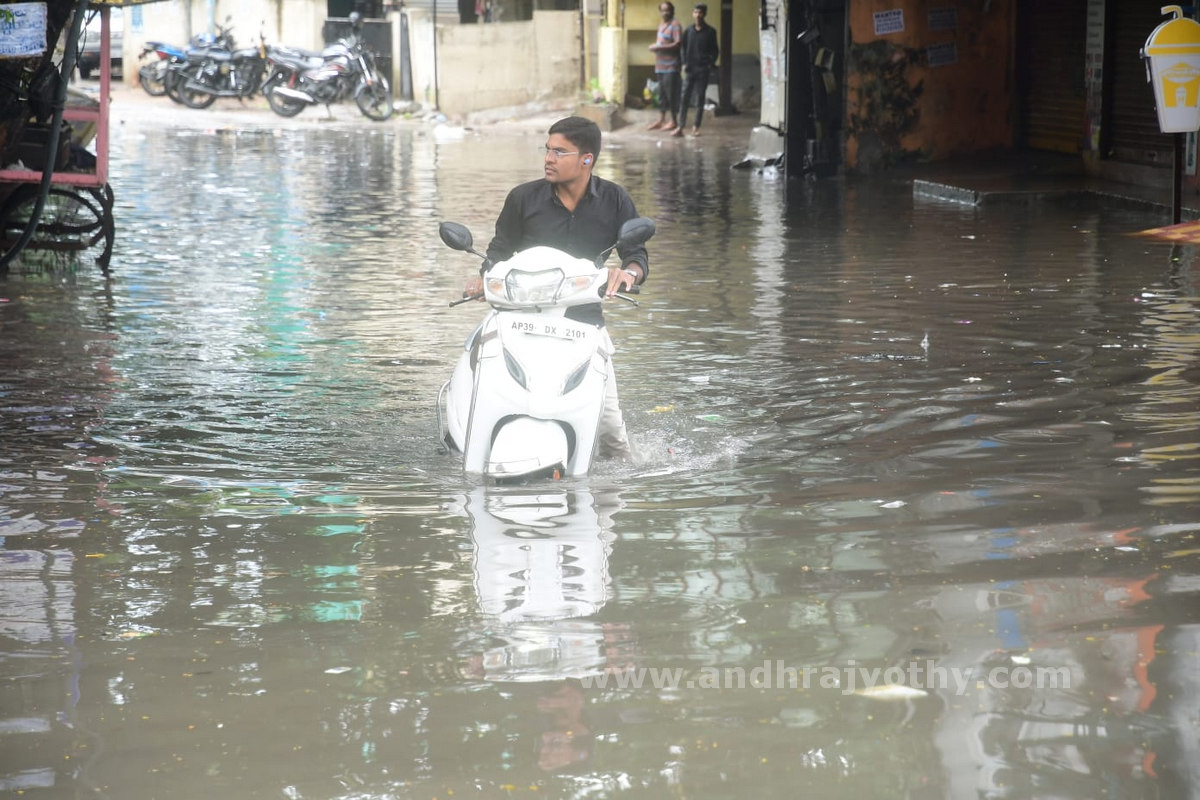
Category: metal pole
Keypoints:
(583, 46)
(1177, 181)
(436, 101)
(725, 68)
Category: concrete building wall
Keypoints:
(421, 55)
(492, 66)
(928, 79)
(477, 66)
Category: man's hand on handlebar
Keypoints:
(618, 280)
(474, 288)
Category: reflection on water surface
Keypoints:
(939, 463)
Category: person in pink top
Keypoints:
(667, 67)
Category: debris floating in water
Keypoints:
(892, 691)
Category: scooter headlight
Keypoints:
(533, 287)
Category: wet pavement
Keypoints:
(914, 514)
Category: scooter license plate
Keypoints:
(556, 328)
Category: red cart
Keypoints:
(77, 219)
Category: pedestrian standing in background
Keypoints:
(699, 50)
(666, 67)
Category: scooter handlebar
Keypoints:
(635, 289)
(622, 295)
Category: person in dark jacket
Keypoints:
(700, 51)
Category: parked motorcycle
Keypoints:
(345, 68)
(218, 70)
(197, 48)
(152, 74)
(159, 57)
(525, 398)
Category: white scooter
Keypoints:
(525, 397)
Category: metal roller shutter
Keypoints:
(1050, 54)
(1131, 120)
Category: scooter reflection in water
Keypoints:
(541, 567)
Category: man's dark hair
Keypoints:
(702, 8)
(579, 131)
(668, 4)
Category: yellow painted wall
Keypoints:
(900, 107)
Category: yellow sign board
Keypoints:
(1174, 52)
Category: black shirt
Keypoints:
(533, 215)
(699, 47)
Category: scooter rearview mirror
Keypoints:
(636, 231)
(456, 236)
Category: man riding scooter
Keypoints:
(575, 211)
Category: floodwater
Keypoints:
(914, 517)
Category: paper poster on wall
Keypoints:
(22, 29)
(889, 21)
(943, 19)
(941, 55)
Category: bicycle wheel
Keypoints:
(76, 225)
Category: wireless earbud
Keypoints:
(587, 160)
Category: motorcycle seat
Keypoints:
(298, 63)
(296, 52)
(215, 53)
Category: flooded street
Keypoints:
(914, 514)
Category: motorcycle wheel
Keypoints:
(171, 83)
(283, 106)
(192, 98)
(375, 101)
(152, 77)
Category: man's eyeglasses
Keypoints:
(556, 153)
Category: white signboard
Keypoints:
(889, 21)
(22, 29)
